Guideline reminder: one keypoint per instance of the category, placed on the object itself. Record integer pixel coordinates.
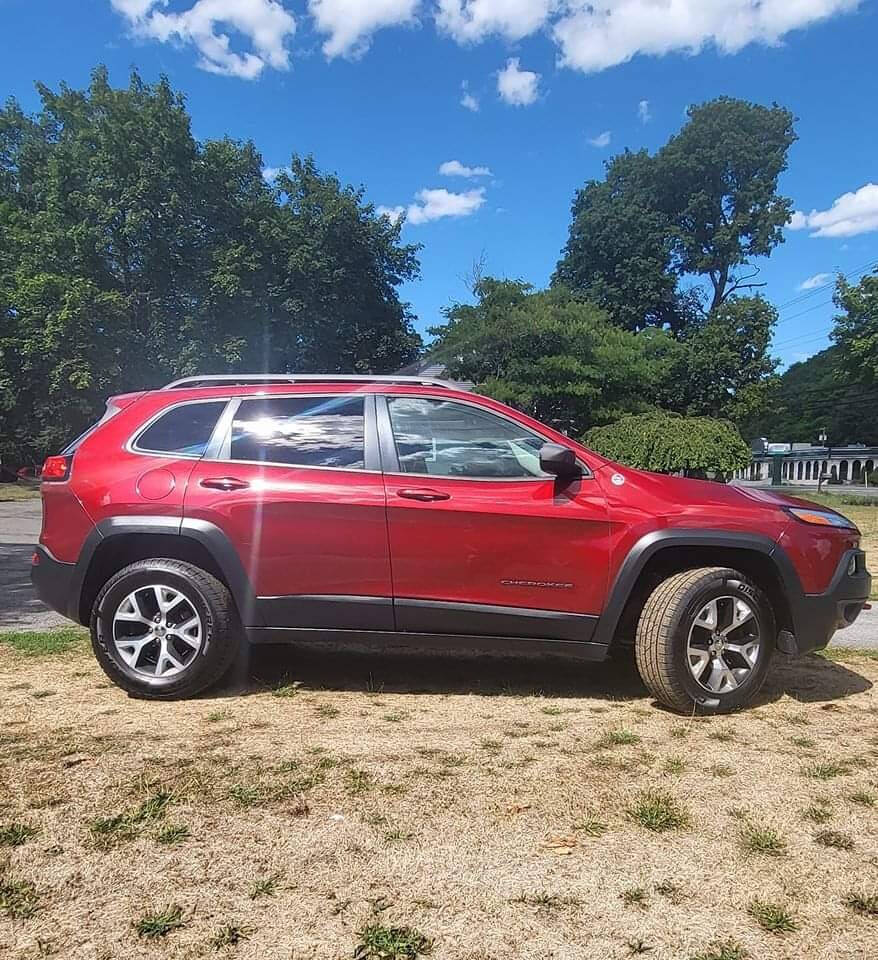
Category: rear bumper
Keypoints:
(816, 616)
(56, 583)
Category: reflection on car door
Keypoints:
(298, 491)
(482, 542)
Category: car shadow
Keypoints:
(442, 671)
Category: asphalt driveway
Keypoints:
(20, 609)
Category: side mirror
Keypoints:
(561, 461)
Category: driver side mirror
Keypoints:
(560, 461)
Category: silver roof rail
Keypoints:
(248, 379)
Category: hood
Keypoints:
(685, 492)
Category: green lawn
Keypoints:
(18, 491)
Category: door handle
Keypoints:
(224, 483)
(424, 494)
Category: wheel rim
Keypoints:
(724, 644)
(157, 632)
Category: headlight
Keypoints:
(823, 518)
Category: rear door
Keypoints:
(482, 542)
(296, 487)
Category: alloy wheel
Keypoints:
(723, 645)
(157, 632)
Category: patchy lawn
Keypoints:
(19, 491)
(345, 805)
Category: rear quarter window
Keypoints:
(184, 430)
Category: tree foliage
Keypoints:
(668, 443)
(130, 253)
(721, 367)
(818, 395)
(856, 330)
(548, 354)
(703, 206)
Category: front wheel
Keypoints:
(704, 640)
(164, 629)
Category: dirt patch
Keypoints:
(336, 803)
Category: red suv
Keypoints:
(220, 510)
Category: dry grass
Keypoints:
(405, 806)
(19, 491)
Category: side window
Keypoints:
(301, 431)
(184, 430)
(449, 439)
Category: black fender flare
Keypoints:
(652, 543)
(209, 535)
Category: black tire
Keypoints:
(222, 634)
(663, 634)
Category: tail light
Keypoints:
(56, 468)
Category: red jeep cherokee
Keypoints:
(220, 510)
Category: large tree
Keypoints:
(856, 329)
(546, 353)
(130, 252)
(702, 207)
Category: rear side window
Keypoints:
(301, 431)
(183, 430)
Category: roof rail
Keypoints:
(247, 379)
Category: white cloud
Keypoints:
(516, 86)
(596, 34)
(269, 174)
(850, 214)
(467, 99)
(471, 20)
(643, 111)
(434, 204)
(351, 23)
(265, 23)
(454, 168)
(392, 213)
(601, 140)
(818, 280)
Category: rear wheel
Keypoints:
(164, 629)
(704, 640)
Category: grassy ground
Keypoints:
(864, 515)
(18, 491)
(337, 805)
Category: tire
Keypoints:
(682, 623)
(204, 646)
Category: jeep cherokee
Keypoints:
(231, 509)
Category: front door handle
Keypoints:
(424, 494)
(224, 483)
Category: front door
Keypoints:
(298, 492)
(482, 541)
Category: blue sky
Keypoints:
(374, 89)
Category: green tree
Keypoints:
(130, 253)
(856, 330)
(668, 443)
(814, 396)
(703, 206)
(548, 354)
(721, 367)
(718, 178)
(619, 252)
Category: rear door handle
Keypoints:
(224, 483)
(424, 494)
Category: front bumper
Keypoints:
(54, 583)
(816, 616)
